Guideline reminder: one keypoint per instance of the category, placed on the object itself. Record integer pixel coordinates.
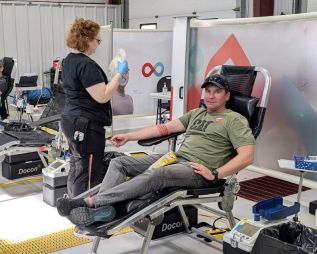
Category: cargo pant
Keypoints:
(86, 140)
(115, 186)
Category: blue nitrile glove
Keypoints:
(123, 68)
(122, 82)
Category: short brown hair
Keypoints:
(81, 32)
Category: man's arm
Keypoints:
(240, 161)
(243, 159)
(149, 132)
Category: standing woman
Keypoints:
(3, 89)
(88, 107)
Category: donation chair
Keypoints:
(25, 135)
(153, 206)
(8, 64)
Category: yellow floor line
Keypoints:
(48, 243)
(22, 181)
(123, 231)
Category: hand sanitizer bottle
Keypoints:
(164, 90)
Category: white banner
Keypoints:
(288, 50)
(103, 54)
(149, 54)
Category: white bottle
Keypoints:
(164, 90)
(120, 56)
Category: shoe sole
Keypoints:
(63, 207)
(85, 216)
(90, 237)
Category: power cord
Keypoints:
(215, 231)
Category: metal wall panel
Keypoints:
(34, 33)
(163, 12)
(311, 5)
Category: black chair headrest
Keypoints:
(241, 78)
(245, 105)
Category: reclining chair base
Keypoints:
(154, 212)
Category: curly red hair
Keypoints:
(81, 33)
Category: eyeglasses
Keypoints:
(98, 41)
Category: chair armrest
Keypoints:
(216, 187)
(46, 120)
(158, 140)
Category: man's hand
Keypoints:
(202, 170)
(119, 140)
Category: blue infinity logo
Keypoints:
(157, 69)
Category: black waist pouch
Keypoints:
(80, 134)
(75, 130)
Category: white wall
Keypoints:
(284, 6)
(141, 11)
(35, 34)
(311, 5)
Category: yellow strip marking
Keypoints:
(22, 181)
(48, 243)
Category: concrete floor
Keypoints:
(26, 200)
(131, 243)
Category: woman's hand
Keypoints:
(124, 81)
(123, 68)
(202, 170)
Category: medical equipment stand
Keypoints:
(290, 164)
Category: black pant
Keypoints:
(86, 140)
(3, 109)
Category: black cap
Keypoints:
(217, 80)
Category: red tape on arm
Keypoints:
(162, 129)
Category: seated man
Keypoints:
(218, 142)
(3, 89)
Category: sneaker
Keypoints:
(84, 233)
(85, 216)
(65, 205)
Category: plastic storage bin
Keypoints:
(286, 238)
(308, 163)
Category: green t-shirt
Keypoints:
(211, 138)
